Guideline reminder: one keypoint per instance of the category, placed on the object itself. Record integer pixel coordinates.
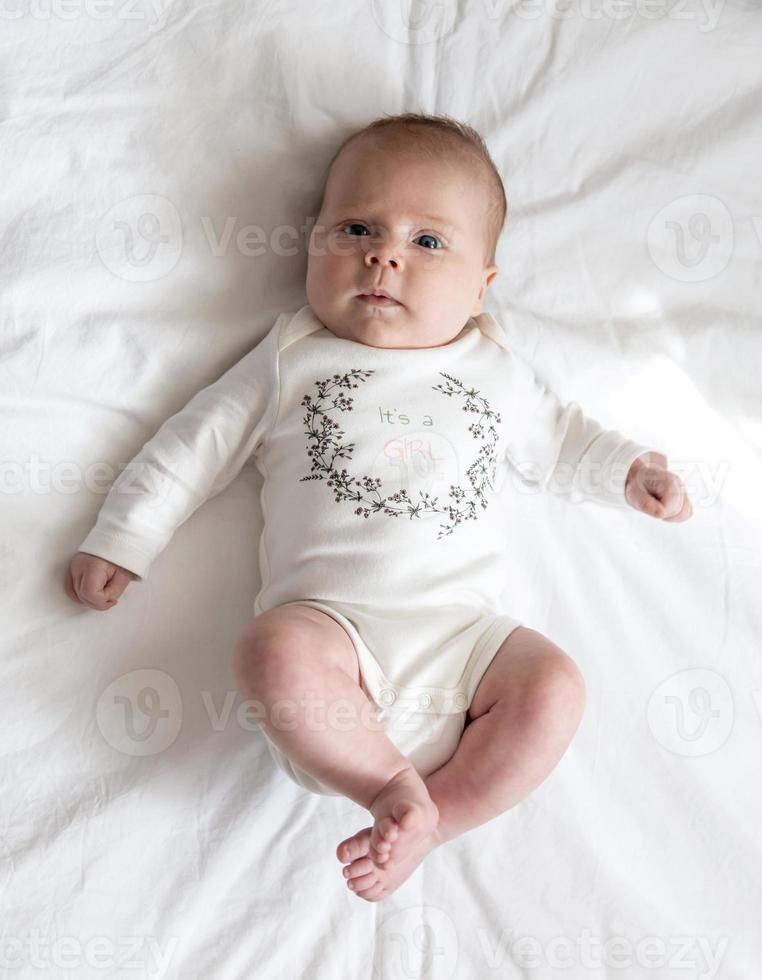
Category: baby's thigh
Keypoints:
(295, 634)
(526, 660)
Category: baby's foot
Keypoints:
(373, 883)
(404, 815)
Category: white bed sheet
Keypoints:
(149, 834)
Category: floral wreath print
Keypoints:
(325, 447)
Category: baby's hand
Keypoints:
(95, 582)
(656, 491)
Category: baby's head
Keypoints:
(413, 205)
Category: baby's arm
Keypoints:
(560, 449)
(194, 455)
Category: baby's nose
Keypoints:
(381, 255)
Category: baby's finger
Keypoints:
(85, 600)
(672, 497)
(119, 582)
(69, 587)
(647, 503)
(98, 602)
(654, 507)
(91, 591)
(686, 511)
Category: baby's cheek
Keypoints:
(445, 292)
(319, 273)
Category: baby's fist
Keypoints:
(95, 582)
(656, 491)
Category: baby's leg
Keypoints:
(522, 718)
(301, 666)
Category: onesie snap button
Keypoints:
(387, 697)
(460, 700)
(424, 700)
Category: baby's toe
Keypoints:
(380, 852)
(363, 882)
(354, 847)
(373, 894)
(383, 833)
(388, 829)
(361, 866)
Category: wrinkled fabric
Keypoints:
(159, 164)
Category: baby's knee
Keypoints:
(269, 659)
(255, 660)
(559, 688)
(574, 682)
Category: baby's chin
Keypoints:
(349, 318)
(375, 333)
(385, 326)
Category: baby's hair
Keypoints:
(430, 134)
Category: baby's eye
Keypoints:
(353, 224)
(433, 239)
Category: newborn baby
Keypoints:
(384, 417)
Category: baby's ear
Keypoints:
(489, 274)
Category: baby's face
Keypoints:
(415, 228)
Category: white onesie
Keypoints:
(379, 470)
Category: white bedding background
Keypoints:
(155, 161)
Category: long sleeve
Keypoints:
(559, 449)
(194, 455)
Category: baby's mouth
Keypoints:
(378, 298)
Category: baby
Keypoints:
(384, 417)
